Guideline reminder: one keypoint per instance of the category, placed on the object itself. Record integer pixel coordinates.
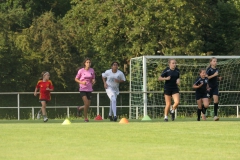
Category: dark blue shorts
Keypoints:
(87, 94)
(201, 95)
(170, 92)
(213, 91)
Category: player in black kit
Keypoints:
(171, 76)
(213, 76)
(201, 86)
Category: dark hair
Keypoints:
(41, 78)
(113, 63)
(202, 69)
(83, 63)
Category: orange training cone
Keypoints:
(123, 120)
(98, 118)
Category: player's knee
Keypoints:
(176, 103)
(206, 105)
(113, 99)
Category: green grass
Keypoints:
(181, 139)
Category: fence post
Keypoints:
(98, 103)
(18, 103)
(67, 112)
(33, 113)
(102, 112)
(237, 111)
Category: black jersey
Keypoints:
(203, 88)
(175, 74)
(213, 82)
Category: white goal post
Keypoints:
(146, 92)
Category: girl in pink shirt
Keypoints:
(86, 78)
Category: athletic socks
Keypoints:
(204, 110)
(40, 111)
(199, 113)
(215, 109)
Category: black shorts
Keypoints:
(201, 95)
(213, 91)
(87, 94)
(170, 92)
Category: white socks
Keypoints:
(113, 107)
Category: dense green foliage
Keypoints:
(56, 35)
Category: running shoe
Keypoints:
(110, 118)
(216, 118)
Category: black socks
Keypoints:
(215, 109)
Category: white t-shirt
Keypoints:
(114, 86)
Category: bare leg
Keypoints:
(176, 99)
(168, 104)
(44, 108)
(86, 106)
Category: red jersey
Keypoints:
(44, 94)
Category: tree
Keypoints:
(46, 45)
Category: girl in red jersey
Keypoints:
(45, 86)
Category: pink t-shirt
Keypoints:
(88, 76)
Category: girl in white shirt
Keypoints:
(111, 79)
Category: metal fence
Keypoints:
(69, 100)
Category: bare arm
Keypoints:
(80, 82)
(49, 89)
(196, 87)
(164, 78)
(104, 81)
(178, 81)
(35, 92)
(214, 75)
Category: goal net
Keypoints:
(146, 97)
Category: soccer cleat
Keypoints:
(86, 120)
(203, 117)
(38, 116)
(165, 119)
(45, 119)
(215, 118)
(115, 118)
(110, 118)
(172, 114)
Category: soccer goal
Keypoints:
(146, 92)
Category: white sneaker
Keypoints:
(45, 119)
(215, 118)
(38, 116)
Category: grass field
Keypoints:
(181, 139)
